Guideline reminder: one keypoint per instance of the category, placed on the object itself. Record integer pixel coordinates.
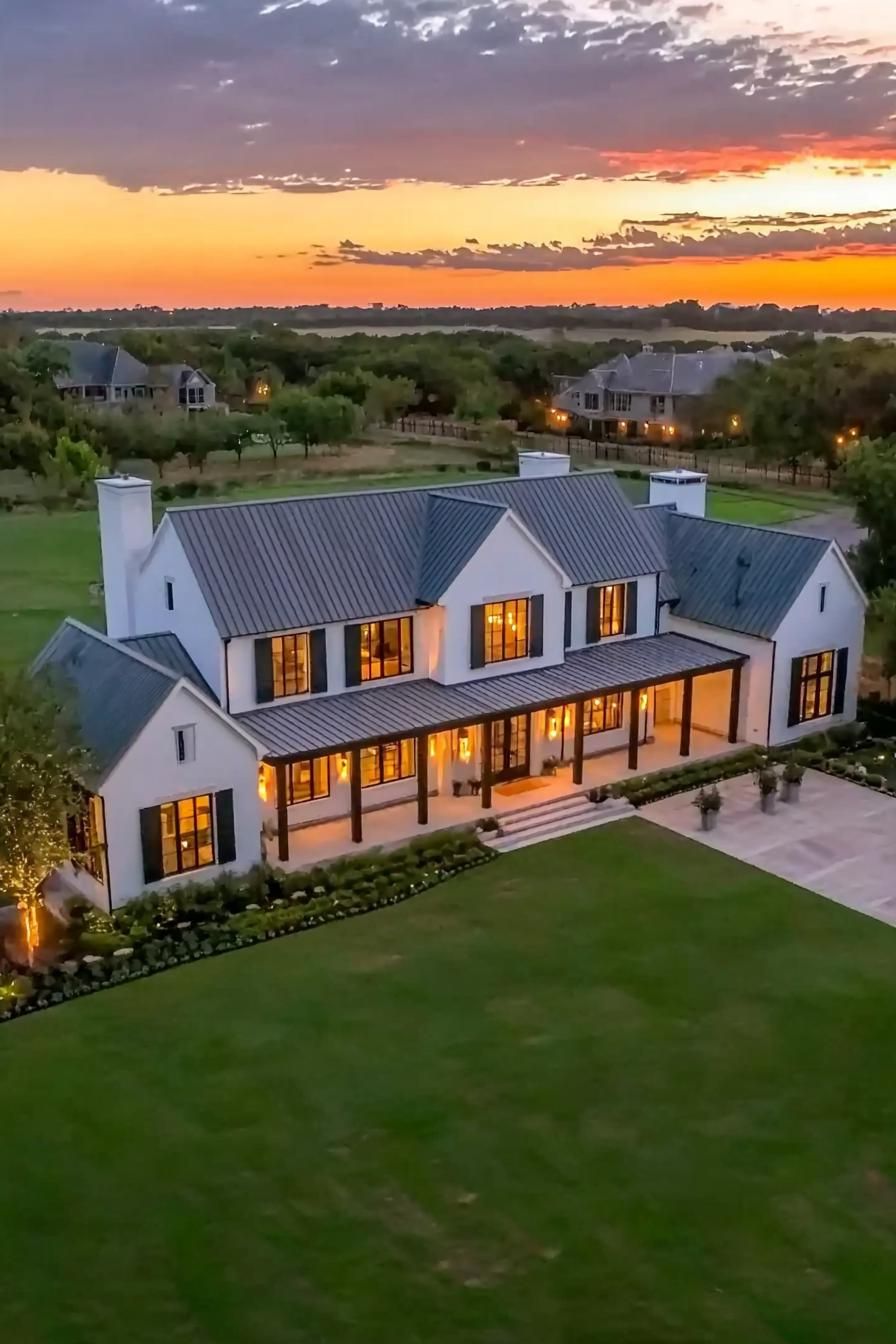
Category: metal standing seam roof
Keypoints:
(165, 648)
(116, 691)
(285, 564)
(737, 576)
(453, 530)
(336, 722)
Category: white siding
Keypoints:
(191, 619)
(756, 678)
(646, 610)
(149, 774)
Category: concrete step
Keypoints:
(551, 825)
(561, 808)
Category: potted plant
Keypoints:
(550, 765)
(600, 795)
(709, 804)
(791, 779)
(457, 786)
(767, 784)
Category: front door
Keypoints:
(510, 748)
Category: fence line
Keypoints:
(717, 465)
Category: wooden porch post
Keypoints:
(355, 785)
(422, 778)
(734, 712)
(487, 763)
(634, 724)
(282, 814)
(578, 751)
(687, 710)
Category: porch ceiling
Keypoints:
(400, 709)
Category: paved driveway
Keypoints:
(834, 525)
(839, 840)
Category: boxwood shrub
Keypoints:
(160, 930)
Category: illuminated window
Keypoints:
(307, 780)
(602, 714)
(388, 761)
(816, 690)
(188, 839)
(87, 836)
(612, 610)
(507, 630)
(289, 662)
(387, 648)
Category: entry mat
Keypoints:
(521, 786)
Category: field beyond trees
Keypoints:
(614, 1088)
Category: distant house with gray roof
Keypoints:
(649, 396)
(293, 677)
(107, 377)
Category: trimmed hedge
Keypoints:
(158, 931)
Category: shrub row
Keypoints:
(161, 930)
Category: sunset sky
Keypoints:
(434, 151)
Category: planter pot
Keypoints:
(767, 801)
(708, 821)
(790, 791)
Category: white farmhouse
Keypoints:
(290, 678)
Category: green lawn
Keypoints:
(615, 1088)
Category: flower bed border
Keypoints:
(58, 985)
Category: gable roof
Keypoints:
(284, 564)
(737, 576)
(668, 373)
(166, 649)
(116, 690)
(92, 364)
(454, 528)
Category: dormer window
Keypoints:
(387, 648)
(506, 630)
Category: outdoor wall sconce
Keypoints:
(343, 766)
(553, 727)
(644, 700)
(262, 784)
(463, 745)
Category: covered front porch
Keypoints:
(396, 823)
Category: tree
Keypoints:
(70, 466)
(352, 383)
(41, 760)
(869, 477)
(389, 398)
(311, 419)
(883, 613)
(232, 433)
(272, 428)
(23, 445)
(479, 401)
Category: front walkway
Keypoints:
(397, 824)
(839, 840)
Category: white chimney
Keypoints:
(685, 489)
(125, 504)
(543, 464)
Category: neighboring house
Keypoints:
(325, 656)
(106, 376)
(647, 396)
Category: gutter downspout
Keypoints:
(227, 675)
(771, 695)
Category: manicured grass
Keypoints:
(736, 506)
(615, 1088)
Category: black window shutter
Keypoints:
(353, 655)
(796, 669)
(151, 841)
(631, 608)
(567, 619)
(264, 672)
(317, 644)
(477, 636)
(840, 680)
(536, 625)
(592, 616)
(224, 826)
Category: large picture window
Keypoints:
(388, 761)
(816, 686)
(387, 648)
(188, 838)
(602, 714)
(612, 610)
(506, 630)
(289, 661)
(87, 836)
(307, 780)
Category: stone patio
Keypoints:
(839, 840)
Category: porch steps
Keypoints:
(548, 821)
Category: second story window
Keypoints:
(657, 405)
(289, 659)
(506, 630)
(612, 610)
(387, 648)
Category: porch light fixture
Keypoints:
(623, 426)
(262, 784)
(553, 727)
(567, 717)
(463, 744)
(432, 745)
(343, 766)
(644, 700)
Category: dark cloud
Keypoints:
(246, 95)
(639, 243)
(10, 294)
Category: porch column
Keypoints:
(687, 709)
(282, 814)
(487, 764)
(422, 778)
(578, 750)
(355, 786)
(734, 712)
(634, 727)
